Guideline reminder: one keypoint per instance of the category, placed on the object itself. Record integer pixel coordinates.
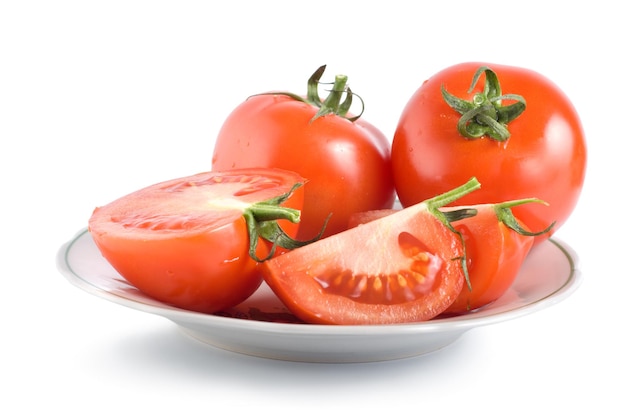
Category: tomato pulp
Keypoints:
(401, 268)
(495, 254)
(185, 241)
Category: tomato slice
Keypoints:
(401, 268)
(494, 253)
(185, 241)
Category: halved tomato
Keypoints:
(195, 242)
(406, 267)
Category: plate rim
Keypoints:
(456, 324)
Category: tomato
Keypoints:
(406, 267)
(195, 242)
(367, 216)
(340, 155)
(495, 254)
(544, 155)
(496, 246)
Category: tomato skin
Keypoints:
(318, 283)
(191, 273)
(170, 243)
(495, 255)
(340, 159)
(545, 156)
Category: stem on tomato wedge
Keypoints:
(262, 222)
(502, 210)
(485, 115)
(446, 218)
(505, 215)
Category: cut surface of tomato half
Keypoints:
(401, 268)
(185, 242)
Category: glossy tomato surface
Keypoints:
(185, 242)
(397, 269)
(494, 254)
(347, 164)
(544, 157)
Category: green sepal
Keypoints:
(485, 115)
(505, 215)
(272, 232)
(434, 204)
(262, 223)
(312, 91)
(338, 102)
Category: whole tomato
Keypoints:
(514, 130)
(346, 160)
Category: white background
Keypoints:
(100, 98)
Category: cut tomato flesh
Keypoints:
(182, 206)
(185, 241)
(494, 255)
(397, 269)
(408, 283)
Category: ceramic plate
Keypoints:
(261, 326)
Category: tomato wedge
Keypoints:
(195, 242)
(406, 267)
(495, 254)
(496, 246)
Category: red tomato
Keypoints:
(544, 156)
(494, 253)
(347, 163)
(185, 241)
(406, 267)
(367, 216)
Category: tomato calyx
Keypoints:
(338, 102)
(262, 222)
(505, 216)
(333, 104)
(485, 115)
(447, 218)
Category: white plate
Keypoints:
(262, 326)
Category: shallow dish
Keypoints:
(261, 326)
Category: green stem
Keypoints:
(338, 101)
(485, 115)
(505, 215)
(262, 223)
(333, 100)
(447, 198)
